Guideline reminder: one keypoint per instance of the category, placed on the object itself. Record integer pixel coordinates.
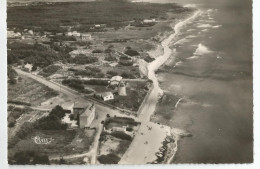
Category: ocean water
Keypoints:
(211, 75)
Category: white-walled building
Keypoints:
(107, 96)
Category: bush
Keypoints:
(53, 120)
(96, 82)
(112, 73)
(126, 62)
(131, 52)
(82, 59)
(109, 159)
(110, 58)
(97, 51)
(148, 59)
(129, 129)
(121, 135)
(127, 75)
(29, 157)
(93, 69)
(12, 81)
(11, 124)
(74, 83)
(18, 102)
(47, 71)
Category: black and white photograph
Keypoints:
(94, 82)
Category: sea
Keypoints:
(209, 85)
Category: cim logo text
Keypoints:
(39, 140)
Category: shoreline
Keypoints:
(155, 65)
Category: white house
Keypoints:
(107, 96)
(115, 80)
(149, 20)
(86, 36)
(86, 118)
(28, 66)
(68, 106)
(75, 33)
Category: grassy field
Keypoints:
(29, 91)
(111, 12)
(60, 145)
(64, 142)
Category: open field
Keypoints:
(85, 13)
(29, 91)
(60, 145)
(64, 142)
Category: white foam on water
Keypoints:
(178, 63)
(202, 50)
(204, 26)
(204, 30)
(193, 57)
(190, 6)
(190, 37)
(217, 26)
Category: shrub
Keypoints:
(93, 69)
(131, 52)
(18, 102)
(148, 59)
(82, 59)
(29, 157)
(110, 58)
(47, 71)
(121, 135)
(96, 82)
(126, 62)
(12, 81)
(74, 83)
(129, 129)
(11, 124)
(97, 51)
(112, 73)
(127, 75)
(53, 120)
(108, 159)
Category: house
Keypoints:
(115, 80)
(68, 106)
(59, 34)
(84, 113)
(76, 34)
(100, 25)
(28, 66)
(68, 34)
(12, 34)
(107, 96)
(30, 32)
(78, 109)
(86, 36)
(86, 118)
(148, 20)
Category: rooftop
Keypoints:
(116, 78)
(104, 94)
(81, 105)
(88, 110)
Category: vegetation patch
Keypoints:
(29, 92)
(109, 159)
(49, 70)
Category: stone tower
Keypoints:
(122, 89)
